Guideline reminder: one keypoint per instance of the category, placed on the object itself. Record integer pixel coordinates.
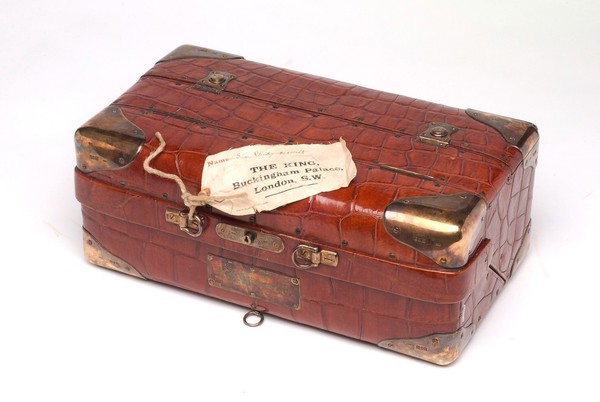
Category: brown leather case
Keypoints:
(410, 256)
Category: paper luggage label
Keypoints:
(257, 178)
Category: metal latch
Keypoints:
(305, 257)
(193, 227)
(437, 134)
(215, 82)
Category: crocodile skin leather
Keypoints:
(381, 289)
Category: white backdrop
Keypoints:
(73, 332)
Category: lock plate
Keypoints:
(252, 238)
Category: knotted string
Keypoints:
(190, 200)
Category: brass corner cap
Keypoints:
(445, 228)
(96, 254)
(108, 141)
(191, 51)
(440, 349)
(519, 133)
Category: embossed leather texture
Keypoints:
(381, 289)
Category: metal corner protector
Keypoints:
(191, 51)
(440, 349)
(96, 254)
(108, 141)
(521, 134)
(445, 228)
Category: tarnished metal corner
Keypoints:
(445, 228)
(441, 349)
(98, 255)
(191, 51)
(108, 141)
(518, 133)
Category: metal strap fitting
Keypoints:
(192, 227)
(305, 257)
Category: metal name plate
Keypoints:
(252, 238)
(252, 281)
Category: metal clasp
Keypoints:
(437, 134)
(215, 82)
(305, 257)
(192, 227)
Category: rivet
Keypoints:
(439, 132)
(252, 294)
(165, 195)
(295, 281)
(84, 166)
(298, 231)
(396, 229)
(217, 78)
(122, 183)
(435, 341)
(344, 243)
(90, 242)
(209, 257)
(392, 256)
(443, 260)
